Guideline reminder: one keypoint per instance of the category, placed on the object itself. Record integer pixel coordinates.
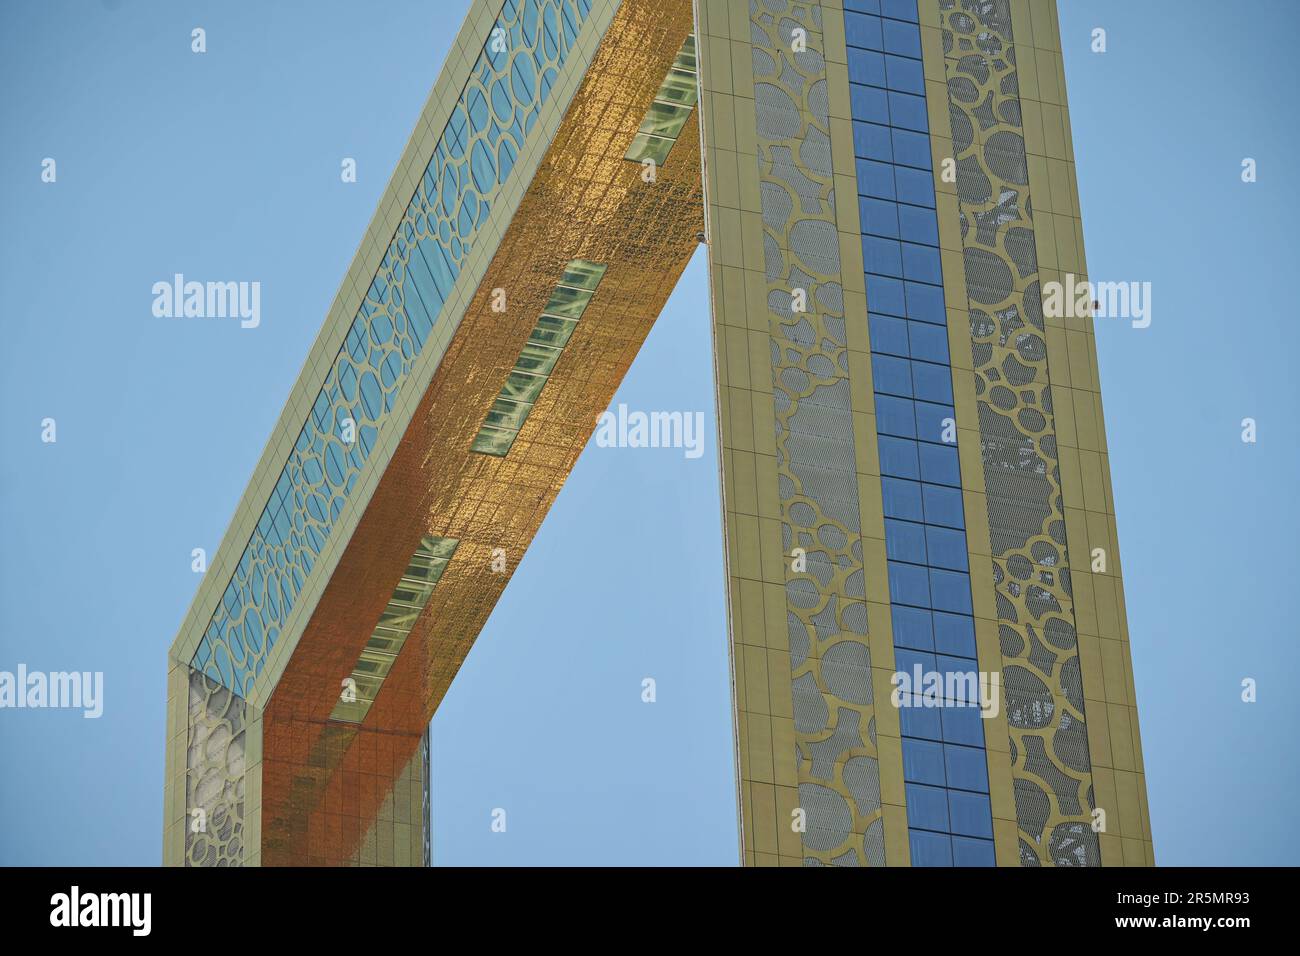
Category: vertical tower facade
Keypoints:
(929, 650)
(915, 474)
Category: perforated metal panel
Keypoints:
(1049, 745)
(214, 774)
(815, 451)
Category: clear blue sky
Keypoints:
(226, 165)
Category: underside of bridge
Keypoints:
(323, 779)
(581, 268)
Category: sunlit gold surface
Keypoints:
(323, 782)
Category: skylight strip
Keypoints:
(423, 572)
(565, 306)
(670, 109)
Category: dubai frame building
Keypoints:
(913, 460)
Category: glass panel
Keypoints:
(553, 331)
(521, 387)
(582, 274)
(411, 594)
(923, 762)
(967, 767)
(367, 685)
(354, 712)
(374, 665)
(686, 55)
(425, 568)
(649, 147)
(954, 634)
(437, 547)
(386, 640)
(665, 119)
(537, 359)
(567, 303)
(509, 415)
(930, 849)
(927, 807)
(399, 616)
(968, 851)
(679, 87)
(493, 441)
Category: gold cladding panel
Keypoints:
(585, 202)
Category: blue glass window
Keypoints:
(875, 179)
(960, 680)
(872, 141)
(923, 762)
(962, 725)
(879, 217)
(925, 546)
(902, 499)
(927, 342)
(885, 295)
(967, 768)
(946, 548)
(898, 456)
(930, 849)
(868, 67)
(891, 375)
(895, 416)
(925, 302)
(882, 256)
(905, 541)
(899, 9)
(939, 464)
(932, 383)
(901, 74)
(868, 104)
(970, 814)
(921, 264)
(914, 185)
(907, 659)
(954, 634)
(908, 112)
(912, 149)
(908, 584)
(863, 31)
(918, 224)
(888, 334)
(943, 506)
(917, 720)
(950, 591)
(967, 851)
(927, 807)
(962, 664)
(913, 628)
(901, 38)
(933, 420)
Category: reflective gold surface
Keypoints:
(323, 782)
